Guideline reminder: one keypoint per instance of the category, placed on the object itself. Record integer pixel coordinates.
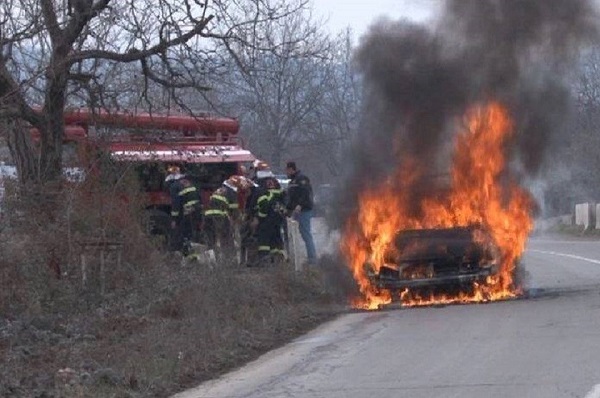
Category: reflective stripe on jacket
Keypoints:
(218, 205)
(190, 200)
(232, 198)
(269, 202)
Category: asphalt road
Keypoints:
(546, 346)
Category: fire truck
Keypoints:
(207, 148)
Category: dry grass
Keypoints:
(172, 330)
(158, 328)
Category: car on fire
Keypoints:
(422, 258)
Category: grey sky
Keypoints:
(360, 14)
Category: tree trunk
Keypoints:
(22, 151)
(54, 125)
(276, 155)
(40, 169)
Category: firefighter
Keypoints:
(233, 186)
(173, 185)
(249, 222)
(262, 173)
(217, 226)
(238, 189)
(186, 210)
(258, 174)
(270, 212)
(235, 190)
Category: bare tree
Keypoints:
(572, 174)
(56, 53)
(279, 78)
(334, 124)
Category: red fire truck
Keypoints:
(207, 148)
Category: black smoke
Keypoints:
(419, 79)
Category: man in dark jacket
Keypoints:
(300, 204)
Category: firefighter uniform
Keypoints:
(236, 192)
(232, 198)
(217, 225)
(270, 211)
(186, 214)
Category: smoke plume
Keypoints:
(418, 80)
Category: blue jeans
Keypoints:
(303, 219)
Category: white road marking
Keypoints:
(595, 393)
(590, 260)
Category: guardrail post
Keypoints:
(294, 239)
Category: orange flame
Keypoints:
(479, 194)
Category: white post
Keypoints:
(293, 232)
(585, 214)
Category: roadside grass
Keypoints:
(163, 334)
(574, 230)
(160, 326)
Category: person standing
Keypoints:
(260, 173)
(236, 191)
(233, 191)
(271, 214)
(185, 211)
(190, 209)
(300, 204)
(173, 185)
(217, 226)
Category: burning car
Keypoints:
(419, 258)
(472, 229)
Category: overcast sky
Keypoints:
(359, 14)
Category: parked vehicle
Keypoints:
(283, 180)
(207, 149)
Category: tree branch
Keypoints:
(147, 71)
(85, 11)
(51, 21)
(81, 77)
(12, 97)
(136, 55)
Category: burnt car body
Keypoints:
(436, 257)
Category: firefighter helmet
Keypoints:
(174, 177)
(263, 170)
(262, 166)
(238, 183)
(173, 169)
(232, 182)
(246, 183)
(236, 180)
(173, 173)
